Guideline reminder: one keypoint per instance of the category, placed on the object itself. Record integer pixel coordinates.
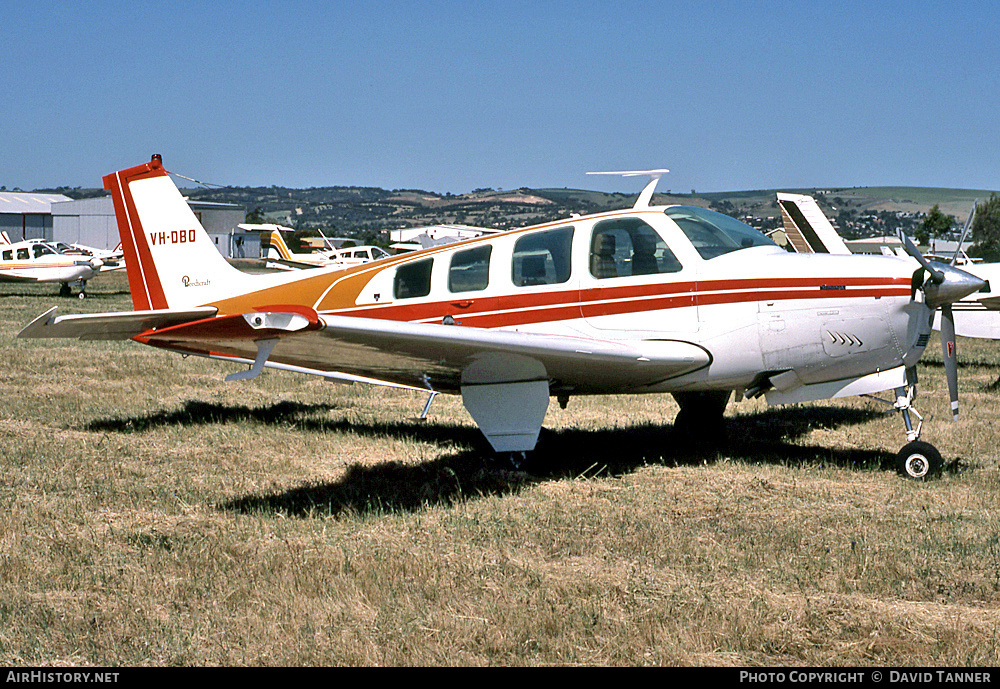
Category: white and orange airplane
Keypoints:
(33, 260)
(278, 255)
(647, 299)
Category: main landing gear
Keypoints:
(65, 291)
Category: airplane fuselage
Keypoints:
(749, 312)
(34, 261)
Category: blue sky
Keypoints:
(450, 96)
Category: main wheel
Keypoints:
(918, 461)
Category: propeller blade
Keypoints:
(965, 231)
(948, 352)
(936, 275)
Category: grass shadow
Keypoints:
(392, 487)
(765, 437)
(303, 417)
(770, 436)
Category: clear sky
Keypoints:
(450, 96)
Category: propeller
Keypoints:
(948, 328)
(945, 285)
(965, 231)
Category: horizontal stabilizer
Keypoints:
(121, 325)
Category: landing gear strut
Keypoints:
(917, 460)
(65, 291)
(700, 419)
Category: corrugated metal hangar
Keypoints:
(27, 215)
(91, 222)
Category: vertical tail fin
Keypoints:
(807, 229)
(170, 259)
(276, 247)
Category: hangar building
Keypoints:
(91, 222)
(27, 215)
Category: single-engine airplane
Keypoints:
(33, 260)
(278, 255)
(648, 299)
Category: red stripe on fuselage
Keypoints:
(568, 304)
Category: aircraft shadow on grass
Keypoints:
(766, 437)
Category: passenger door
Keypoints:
(634, 282)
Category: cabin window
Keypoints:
(714, 234)
(628, 246)
(470, 270)
(23, 254)
(42, 250)
(542, 258)
(8, 255)
(413, 279)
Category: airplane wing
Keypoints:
(297, 265)
(16, 278)
(440, 358)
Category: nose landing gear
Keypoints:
(917, 460)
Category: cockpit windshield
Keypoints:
(714, 234)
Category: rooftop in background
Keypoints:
(28, 202)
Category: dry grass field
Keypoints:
(152, 514)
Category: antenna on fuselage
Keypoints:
(647, 193)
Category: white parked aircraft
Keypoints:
(278, 255)
(33, 260)
(807, 229)
(647, 299)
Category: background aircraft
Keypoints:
(33, 260)
(278, 255)
(807, 229)
(647, 299)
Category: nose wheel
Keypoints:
(917, 460)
